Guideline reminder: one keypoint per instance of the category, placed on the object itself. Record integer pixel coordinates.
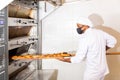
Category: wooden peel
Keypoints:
(113, 53)
(51, 56)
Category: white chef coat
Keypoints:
(92, 47)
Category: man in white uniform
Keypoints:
(93, 44)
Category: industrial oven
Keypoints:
(24, 35)
(21, 33)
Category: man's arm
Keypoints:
(110, 41)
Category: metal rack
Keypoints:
(3, 45)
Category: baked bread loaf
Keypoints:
(42, 56)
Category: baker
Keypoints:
(93, 44)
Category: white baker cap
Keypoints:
(85, 21)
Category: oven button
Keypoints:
(33, 39)
(15, 64)
(20, 64)
(23, 43)
(32, 21)
(19, 21)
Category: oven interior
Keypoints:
(17, 52)
(19, 31)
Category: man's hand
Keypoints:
(64, 59)
(60, 58)
(107, 48)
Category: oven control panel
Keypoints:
(21, 22)
(2, 38)
(18, 42)
(2, 25)
(2, 12)
(2, 58)
(3, 44)
(17, 66)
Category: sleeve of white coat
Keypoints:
(110, 40)
(81, 52)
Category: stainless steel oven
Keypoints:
(25, 37)
(23, 29)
